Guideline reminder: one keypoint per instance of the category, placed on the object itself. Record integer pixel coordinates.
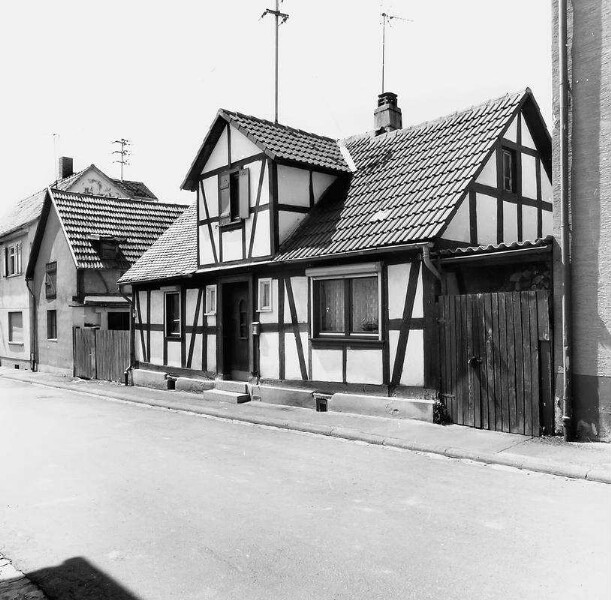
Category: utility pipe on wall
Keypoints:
(565, 240)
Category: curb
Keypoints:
(516, 461)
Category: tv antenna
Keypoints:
(387, 19)
(280, 19)
(124, 153)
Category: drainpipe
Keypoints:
(33, 328)
(565, 256)
(426, 259)
(132, 345)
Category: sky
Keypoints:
(157, 72)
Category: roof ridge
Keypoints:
(123, 200)
(366, 134)
(281, 125)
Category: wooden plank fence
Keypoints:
(101, 354)
(496, 361)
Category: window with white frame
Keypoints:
(12, 260)
(264, 296)
(15, 327)
(346, 302)
(51, 280)
(210, 300)
(234, 195)
(172, 314)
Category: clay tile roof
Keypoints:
(406, 185)
(136, 224)
(135, 189)
(172, 255)
(290, 144)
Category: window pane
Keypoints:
(172, 314)
(51, 325)
(331, 305)
(15, 327)
(234, 193)
(364, 292)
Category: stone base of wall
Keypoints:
(592, 407)
(193, 385)
(64, 372)
(152, 379)
(283, 395)
(15, 363)
(380, 406)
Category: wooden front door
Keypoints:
(496, 367)
(236, 331)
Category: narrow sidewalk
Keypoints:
(588, 461)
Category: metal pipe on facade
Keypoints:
(565, 238)
(426, 258)
(33, 328)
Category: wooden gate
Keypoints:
(496, 361)
(101, 354)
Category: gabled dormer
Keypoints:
(256, 181)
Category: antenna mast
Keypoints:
(280, 19)
(386, 18)
(124, 153)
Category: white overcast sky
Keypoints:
(157, 72)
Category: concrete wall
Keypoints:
(55, 355)
(14, 297)
(590, 143)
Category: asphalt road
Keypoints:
(103, 499)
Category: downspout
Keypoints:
(132, 345)
(565, 256)
(33, 329)
(426, 259)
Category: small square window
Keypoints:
(172, 314)
(51, 281)
(264, 297)
(51, 324)
(15, 327)
(509, 170)
(210, 300)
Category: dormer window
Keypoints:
(234, 194)
(109, 249)
(509, 170)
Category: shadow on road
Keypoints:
(77, 579)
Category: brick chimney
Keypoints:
(387, 116)
(65, 167)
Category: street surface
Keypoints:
(104, 499)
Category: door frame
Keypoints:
(222, 373)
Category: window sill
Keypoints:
(16, 343)
(173, 338)
(321, 342)
(229, 225)
(51, 339)
(11, 275)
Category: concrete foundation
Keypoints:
(195, 386)
(152, 379)
(286, 396)
(381, 406)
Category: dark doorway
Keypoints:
(236, 331)
(118, 321)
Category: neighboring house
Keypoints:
(589, 191)
(17, 230)
(82, 245)
(306, 266)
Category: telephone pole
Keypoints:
(124, 153)
(280, 19)
(386, 18)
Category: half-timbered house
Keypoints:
(308, 267)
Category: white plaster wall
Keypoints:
(413, 366)
(293, 186)
(300, 293)
(157, 347)
(157, 299)
(364, 366)
(211, 353)
(196, 360)
(398, 277)
(287, 223)
(191, 306)
(261, 245)
(529, 223)
(219, 155)
(255, 173)
(320, 183)
(529, 176)
(326, 365)
(174, 353)
(292, 370)
(459, 228)
(232, 245)
(211, 190)
(206, 256)
(91, 182)
(241, 146)
(486, 219)
(510, 222)
(527, 139)
(512, 132)
(488, 174)
(268, 352)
